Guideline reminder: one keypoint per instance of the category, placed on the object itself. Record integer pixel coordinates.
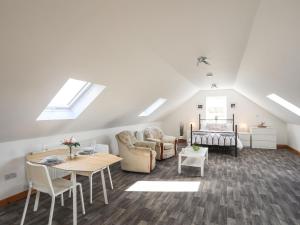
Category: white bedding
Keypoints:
(218, 138)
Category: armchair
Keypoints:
(165, 146)
(138, 156)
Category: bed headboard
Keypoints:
(227, 120)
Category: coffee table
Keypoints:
(189, 157)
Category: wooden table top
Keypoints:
(85, 163)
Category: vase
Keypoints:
(72, 156)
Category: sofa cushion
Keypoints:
(153, 132)
(168, 153)
(139, 135)
(145, 144)
(168, 146)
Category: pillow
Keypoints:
(139, 135)
(218, 127)
(227, 127)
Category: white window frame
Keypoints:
(85, 96)
(284, 103)
(153, 107)
(74, 99)
(221, 119)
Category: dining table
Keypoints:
(80, 163)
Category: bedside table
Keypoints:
(245, 138)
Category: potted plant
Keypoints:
(196, 148)
(71, 143)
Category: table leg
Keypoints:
(202, 166)
(207, 157)
(74, 198)
(179, 163)
(104, 187)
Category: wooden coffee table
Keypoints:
(189, 157)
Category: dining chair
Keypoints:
(103, 149)
(39, 179)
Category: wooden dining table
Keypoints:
(81, 163)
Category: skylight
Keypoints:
(71, 100)
(284, 103)
(158, 103)
(68, 94)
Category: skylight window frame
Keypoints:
(224, 106)
(77, 102)
(74, 99)
(153, 107)
(284, 103)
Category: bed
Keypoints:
(216, 133)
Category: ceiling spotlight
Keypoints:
(209, 74)
(202, 59)
(214, 85)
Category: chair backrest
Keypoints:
(153, 132)
(139, 135)
(38, 176)
(127, 138)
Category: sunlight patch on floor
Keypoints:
(165, 186)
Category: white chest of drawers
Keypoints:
(263, 138)
(245, 138)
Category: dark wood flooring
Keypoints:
(257, 187)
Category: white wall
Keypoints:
(246, 112)
(271, 59)
(293, 132)
(13, 153)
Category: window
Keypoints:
(68, 94)
(158, 103)
(284, 103)
(71, 100)
(216, 107)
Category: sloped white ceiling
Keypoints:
(141, 50)
(45, 43)
(181, 31)
(271, 62)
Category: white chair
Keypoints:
(103, 149)
(39, 179)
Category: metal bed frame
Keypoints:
(218, 146)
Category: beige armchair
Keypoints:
(137, 156)
(165, 146)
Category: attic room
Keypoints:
(150, 112)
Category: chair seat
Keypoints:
(61, 185)
(87, 174)
(168, 146)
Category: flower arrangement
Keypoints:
(71, 142)
(195, 148)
